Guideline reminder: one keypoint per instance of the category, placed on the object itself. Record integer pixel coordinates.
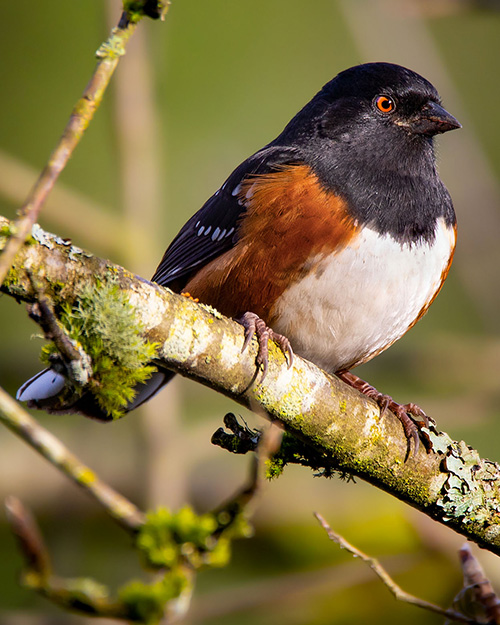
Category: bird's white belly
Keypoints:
(355, 303)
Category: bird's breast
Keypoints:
(356, 302)
(289, 220)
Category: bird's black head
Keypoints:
(368, 136)
(385, 95)
(372, 104)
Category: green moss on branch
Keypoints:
(313, 406)
(102, 323)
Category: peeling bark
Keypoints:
(452, 484)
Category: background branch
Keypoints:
(396, 590)
(452, 485)
(174, 544)
(20, 422)
(108, 54)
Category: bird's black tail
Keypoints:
(45, 391)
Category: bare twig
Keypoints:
(71, 211)
(167, 598)
(108, 54)
(70, 355)
(244, 501)
(29, 538)
(20, 422)
(395, 589)
(73, 594)
(88, 596)
(242, 504)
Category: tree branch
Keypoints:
(19, 421)
(172, 545)
(452, 484)
(395, 589)
(108, 56)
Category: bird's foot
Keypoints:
(412, 417)
(255, 326)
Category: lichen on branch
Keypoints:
(102, 322)
(452, 484)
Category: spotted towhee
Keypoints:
(337, 235)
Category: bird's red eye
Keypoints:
(385, 104)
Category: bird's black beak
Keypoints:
(433, 120)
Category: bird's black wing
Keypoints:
(213, 230)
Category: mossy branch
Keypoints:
(452, 484)
(171, 545)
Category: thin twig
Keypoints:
(29, 538)
(85, 595)
(246, 498)
(22, 424)
(69, 210)
(396, 590)
(79, 594)
(109, 54)
(70, 355)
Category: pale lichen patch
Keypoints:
(374, 425)
(152, 315)
(492, 533)
(47, 239)
(332, 428)
(75, 252)
(462, 496)
(213, 311)
(230, 351)
(203, 337)
(188, 339)
(179, 340)
(50, 241)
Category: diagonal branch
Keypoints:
(19, 421)
(452, 484)
(172, 545)
(396, 590)
(108, 56)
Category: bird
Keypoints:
(332, 240)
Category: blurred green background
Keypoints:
(192, 98)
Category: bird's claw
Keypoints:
(411, 416)
(255, 326)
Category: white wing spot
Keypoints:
(200, 231)
(197, 224)
(207, 231)
(215, 234)
(230, 232)
(250, 191)
(222, 235)
(236, 189)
